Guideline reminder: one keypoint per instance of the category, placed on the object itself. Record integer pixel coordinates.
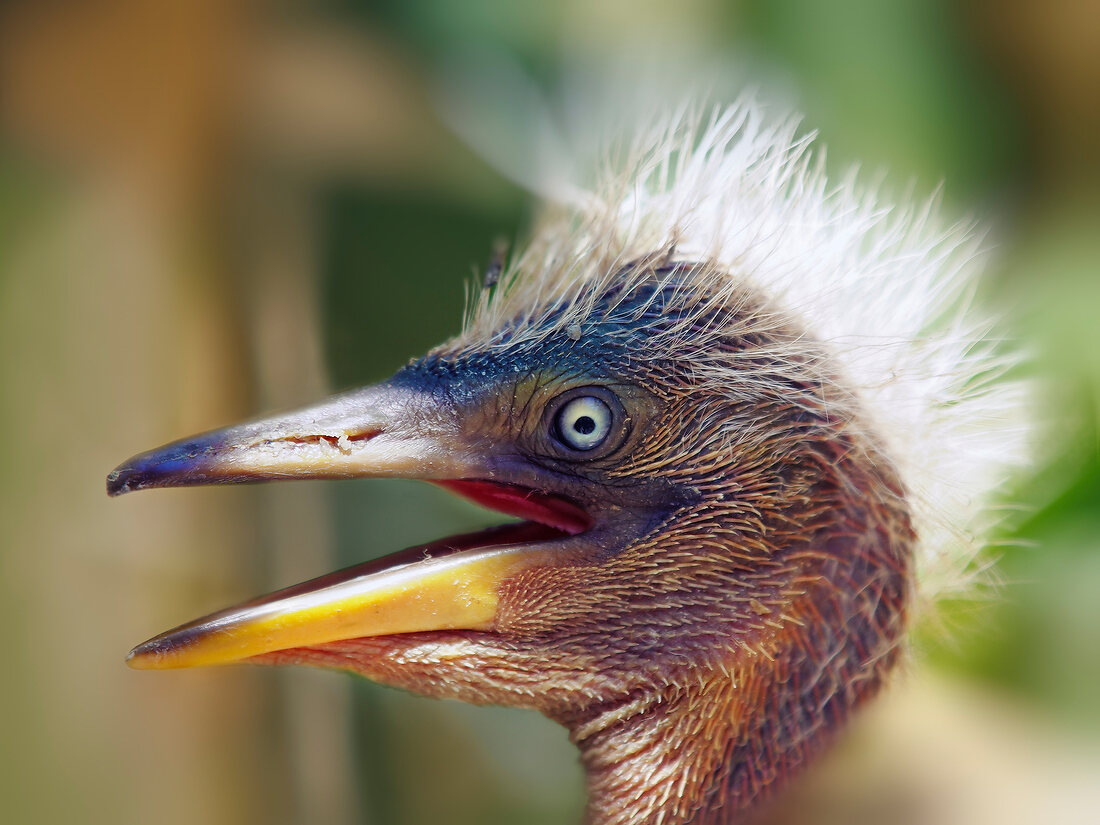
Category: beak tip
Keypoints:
(145, 470)
(136, 661)
(120, 481)
(147, 656)
(180, 464)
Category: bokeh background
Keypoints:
(217, 207)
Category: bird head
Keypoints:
(713, 561)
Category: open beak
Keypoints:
(386, 430)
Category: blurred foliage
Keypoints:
(416, 290)
(896, 85)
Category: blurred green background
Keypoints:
(213, 208)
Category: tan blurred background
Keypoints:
(217, 207)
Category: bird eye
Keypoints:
(584, 422)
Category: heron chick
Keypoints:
(742, 416)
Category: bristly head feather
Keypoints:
(734, 205)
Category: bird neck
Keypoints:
(713, 743)
(646, 759)
(701, 755)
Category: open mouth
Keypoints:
(448, 584)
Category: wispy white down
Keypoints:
(885, 287)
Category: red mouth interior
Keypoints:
(524, 503)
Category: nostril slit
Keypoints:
(366, 435)
(343, 438)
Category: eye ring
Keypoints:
(586, 422)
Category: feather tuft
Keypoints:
(884, 288)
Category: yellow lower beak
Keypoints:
(458, 590)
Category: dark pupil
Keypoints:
(584, 425)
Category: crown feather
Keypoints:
(887, 289)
